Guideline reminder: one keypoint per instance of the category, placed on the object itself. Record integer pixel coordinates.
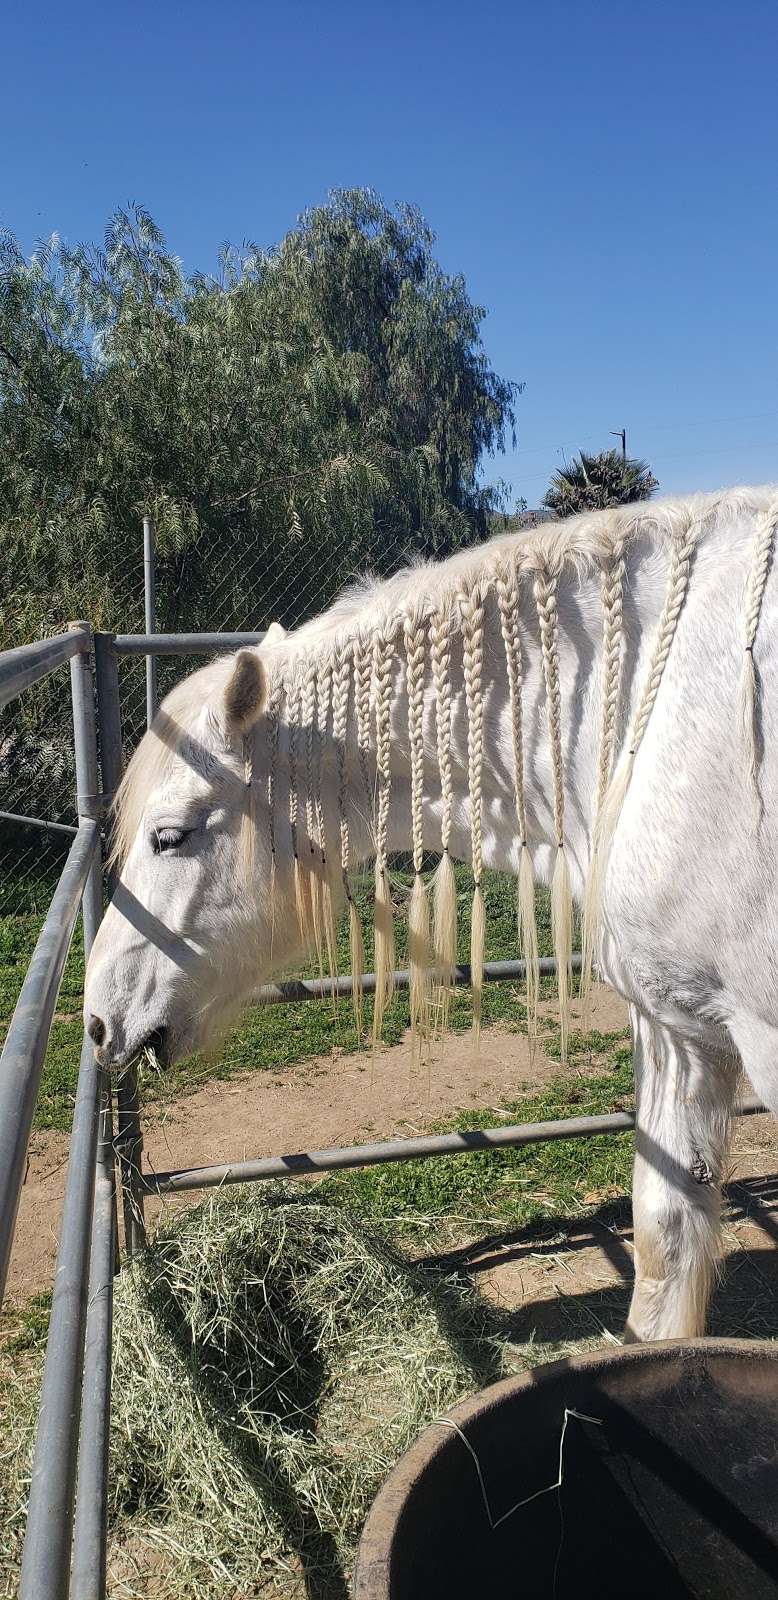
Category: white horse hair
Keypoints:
(587, 704)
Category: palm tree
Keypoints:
(589, 483)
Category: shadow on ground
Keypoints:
(745, 1301)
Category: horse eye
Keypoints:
(163, 839)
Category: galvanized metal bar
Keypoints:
(150, 608)
(47, 1545)
(20, 668)
(181, 644)
(308, 1162)
(24, 1050)
(38, 822)
(129, 1137)
(88, 1578)
(90, 1530)
(48, 1541)
(271, 994)
(109, 716)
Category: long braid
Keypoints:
(314, 873)
(300, 875)
(508, 601)
(341, 683)
(363, 674)
(681, 554)
(749, 683)
(414, 637)
(472, 610)
(612, 596)
(445, 894)
(383, 669)
(273, 735)
(545, 590)
(249, 818)
(323, 698)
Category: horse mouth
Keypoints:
(155, 1049)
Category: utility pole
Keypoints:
(621, 433)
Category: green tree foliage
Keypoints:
(306, 412)
(324, 403)
(590, 483)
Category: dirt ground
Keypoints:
(572, 1285)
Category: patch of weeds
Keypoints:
(29, 1325)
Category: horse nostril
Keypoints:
(96, 1029)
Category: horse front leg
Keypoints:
(684, 1105)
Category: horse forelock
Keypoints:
(176, 737)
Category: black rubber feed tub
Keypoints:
(672, 1489)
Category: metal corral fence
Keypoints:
(66, 1537)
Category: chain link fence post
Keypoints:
(129, 1137)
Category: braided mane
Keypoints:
(401, 629)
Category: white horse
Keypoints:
(594, 704)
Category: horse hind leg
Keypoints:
(684, 1105)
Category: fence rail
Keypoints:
(21, 668)
(307, 1163)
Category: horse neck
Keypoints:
(351, 788)
(579, 650)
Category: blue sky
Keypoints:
(603, 174)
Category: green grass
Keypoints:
(29, 1325)
(269, 1037)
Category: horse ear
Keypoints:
(275, 633)
(246, 692)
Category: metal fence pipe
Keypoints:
(48, 1541)
(329, 988)
(340, 1159)
(129, 1137)
(24, 1050)
(150, 611)
(181, 644)
(39, 822)
(91, 1517)
(109, 715)
(47, 1544)
(20, 668)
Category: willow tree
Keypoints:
(304, 411)
(301, 413)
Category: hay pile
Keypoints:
(273, 1360)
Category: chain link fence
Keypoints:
(223, 584)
